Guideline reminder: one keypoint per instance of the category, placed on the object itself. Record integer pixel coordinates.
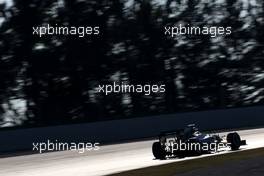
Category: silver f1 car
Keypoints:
(189, 141)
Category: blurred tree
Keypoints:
(57, 76)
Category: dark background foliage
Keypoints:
(53, 79)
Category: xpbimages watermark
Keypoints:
(80, 31)
(49, 145)
(194, 146)
(146, 89)
(212, 31)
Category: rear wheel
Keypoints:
(234, 140)
(158, 151)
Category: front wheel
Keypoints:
(234, 140)
(158, 151)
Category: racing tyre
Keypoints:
(234, 140)
(158, 151)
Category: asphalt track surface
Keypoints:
(109, 159)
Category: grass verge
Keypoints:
(184, 166)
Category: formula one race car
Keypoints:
(189, 141)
